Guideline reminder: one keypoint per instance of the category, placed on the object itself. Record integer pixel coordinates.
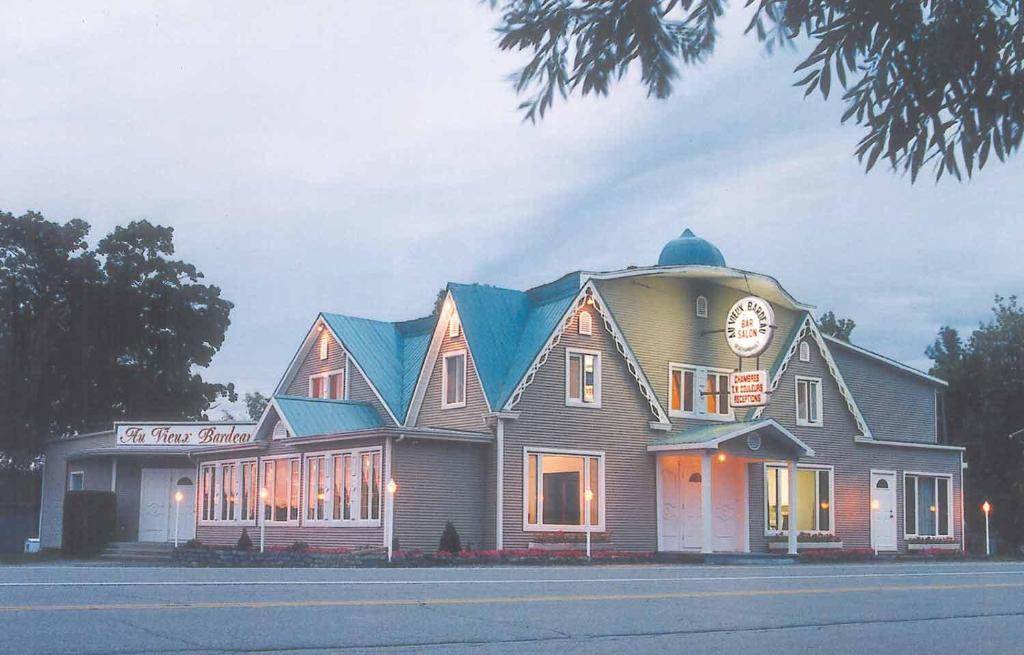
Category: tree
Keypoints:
(935, 82)
(255, 403)
(984, 408)
(840, 328)
(89, 336)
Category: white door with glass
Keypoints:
(157, 504)
(883, 510)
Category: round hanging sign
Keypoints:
(749, 326)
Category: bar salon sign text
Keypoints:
(183, 435)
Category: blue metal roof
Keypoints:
(308, 417)
(689, 249)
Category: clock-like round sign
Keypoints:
(749, 326)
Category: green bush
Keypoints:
(298, 547)
(90, 518)
(244, 542)
(450, 541)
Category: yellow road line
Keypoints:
(494, 600)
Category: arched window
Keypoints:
(805, 351)
(702, 307)
(586, 323)
(280, 431)
(454, 327)
(695, 477)
(882, 484)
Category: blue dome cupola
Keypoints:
(690, 250)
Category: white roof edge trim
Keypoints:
(300, 354)
(412, 412)
(700, 272)
(908, 444)
(751, 426)
(885, 360)
(350, 358)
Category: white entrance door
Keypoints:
(157, 504)
(680, 504)
(883, 510)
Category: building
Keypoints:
(601, 401)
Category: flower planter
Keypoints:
(806, 545)
(539, 545)
(935, 546)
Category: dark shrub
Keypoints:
(450, 542)
(298, 547)
(244, 542)
(89, 521)
(194, 543)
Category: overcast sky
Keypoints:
(354, 156)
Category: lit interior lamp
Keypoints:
(320, 496)
(263, 493)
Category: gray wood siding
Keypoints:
(313, 365)
(659, 320)
(55, 481)
(834, 445)
(439, 482)
(619, 428)
(897, 405)
(318, 536)
(359, 389)
(469, 417)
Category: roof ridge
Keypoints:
(338, 401)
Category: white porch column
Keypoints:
(705, 501)
(499, 479)
(793, 531)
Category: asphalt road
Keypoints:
(891, 608)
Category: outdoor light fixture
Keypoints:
(588, 496)
(263, 519)
(987, 508)
(874, 504)
(178, 497)
(392, 487)
(721, 457)
(824, 505)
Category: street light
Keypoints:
(263, 517)
(987, 508)
(392, 488)
(178, 497)
(588, 495)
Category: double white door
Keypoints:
(158, 507)
(681, 526)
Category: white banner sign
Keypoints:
(748, 389)
(183, 435)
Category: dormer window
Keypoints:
(324, 346)
(328, 386)
(582, 378)
(702, 307)
(453, 380)
(585, 323)
(280, 431)
(454, 327)
(805, 351)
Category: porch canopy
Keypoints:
(743, 441)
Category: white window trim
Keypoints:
(540, 526)
(700, 377)
(570, 402)
(796, 402)
(72, 474)
(697, 309)
(444, 379)
(218, 473)
(805, 351)
(949, 507)
(326, 376)
(263, 483)
(329, 455)
(801, 467)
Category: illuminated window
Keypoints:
(582, 377)
(325, 341)
(699, 392)
(808, 401)
(926, 505)
(805, 351)
(555, 492)
(329, 385)
(702, 307)
(76, 481)
(228, 492)
(585, 323)
(814, 495)
(454, 327)
(282, 480)
(453, 380)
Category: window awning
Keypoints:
(713, 437)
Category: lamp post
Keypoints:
(178, 497)
(987, 508)
(392, 488)
(263, 516)
(588, 496)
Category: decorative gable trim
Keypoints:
(810, 328)
(448, 309)
(590, 295)
(265, 417)
(307, 346)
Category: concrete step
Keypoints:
(753, 559)
(138, 551)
